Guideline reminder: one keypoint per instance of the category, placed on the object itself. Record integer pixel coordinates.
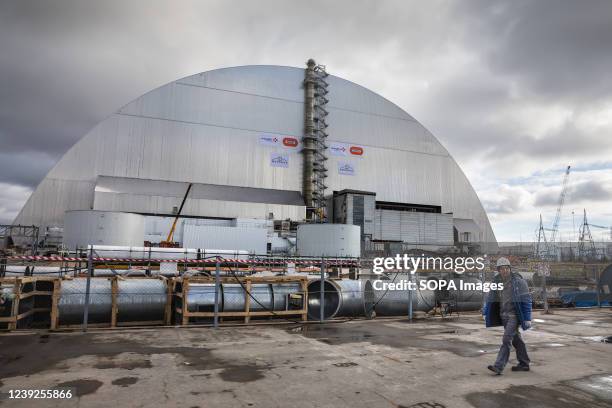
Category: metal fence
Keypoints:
(136, 288)
(88, 292)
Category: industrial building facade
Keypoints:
(237, 134)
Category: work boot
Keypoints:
(496, 370)
(520, 367)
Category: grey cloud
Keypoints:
(590, 191)
(558, 49)
(584, 192)
(11, 201)
(508, 205)
(67, 64)
(506, 200)
(25, 168)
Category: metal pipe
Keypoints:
(115, 251)
(410, 298)
(322, 294)
(88, 287)
(217, 292)
(331, 300)
(281, 293)
(234, 297)
(137, 300)
(71, 304)
(467, 300)
(341, 298)
(141, 299)
(357, 298)
(201, 297)
(398, 302)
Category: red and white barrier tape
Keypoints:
(196, 261)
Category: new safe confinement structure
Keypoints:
(263, 147)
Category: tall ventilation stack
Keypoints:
(315, 134)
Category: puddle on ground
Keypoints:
(531, 396)
(243, 373)
(125, 381)
(80, 387)
(17, 360)
(599, 385)
(125, 364)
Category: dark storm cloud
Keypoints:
(66, 64)
(467, 70)
(24, 168)
(558, 49)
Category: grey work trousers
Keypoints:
(511, 337)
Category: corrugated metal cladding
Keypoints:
(82, 228)
(151, 196)
(157, 228)
(355, 209)
(329, 240)
(253, 240)
(206, 129)
(414, 227)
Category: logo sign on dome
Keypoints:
(346, 169)
(269, 140)
(290, 142)
(356, 150)
(338, 149)
(279, 160)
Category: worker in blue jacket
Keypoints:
(511, 308)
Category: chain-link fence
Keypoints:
(98, 286)
(102, 286)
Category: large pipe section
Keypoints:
(467, 300)
(141, 299)
(234, 297)
(137, 300)
(397, 302)
(341, 298)
(114, 251)
(263, 297)
(58, 272)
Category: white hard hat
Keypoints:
(503, 262)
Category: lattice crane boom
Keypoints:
(555, 227)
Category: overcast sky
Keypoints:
(515, 90)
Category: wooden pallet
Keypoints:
(184, 314)
(20, 293)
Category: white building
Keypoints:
(236, 133)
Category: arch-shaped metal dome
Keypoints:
(207, 128)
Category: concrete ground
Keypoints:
(430, 363)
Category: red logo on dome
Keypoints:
(356, 150)
(290, 141)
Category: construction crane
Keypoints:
(552, 246)
(169, 242)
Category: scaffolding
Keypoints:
(314, 141)
(25, 233)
